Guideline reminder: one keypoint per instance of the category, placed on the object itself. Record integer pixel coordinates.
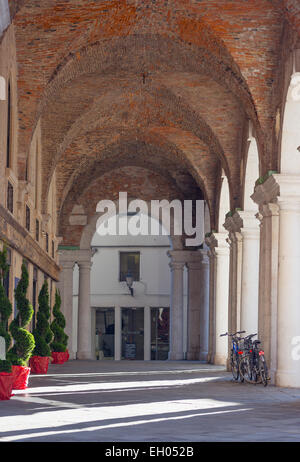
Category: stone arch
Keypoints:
(153, 147)
(90, 229)
(182, 118)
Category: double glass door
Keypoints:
(129, 337)
(133, 333)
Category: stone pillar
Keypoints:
(204, 306)
(285, 189)
(118, 333)
(84, 312)
(288, 320)
(65, 286)
(218, 244)
(249, 227)
(194, 305)
(176, 310)
(235, 241)
(212, 322)
(147, 333)
(268, 271)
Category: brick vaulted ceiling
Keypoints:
(163, 85)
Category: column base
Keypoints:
(288, 379)
(176, 356)
(203, 356)
(84, 355)
(72, 355)
(192, 355)
(220, 360)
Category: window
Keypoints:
(8, 142)
(27, 218)
(37, 230)
(47, 242)
(10, 197)
(130, 263)
(53, 249)
(7, 276)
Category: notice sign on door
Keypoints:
(130, 350)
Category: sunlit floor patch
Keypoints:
(119, 425)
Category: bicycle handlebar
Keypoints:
(232, 335)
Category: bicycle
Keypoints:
(235, 354)
(253, 367)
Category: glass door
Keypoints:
(105, 333)
(160, 321)
(133, 333)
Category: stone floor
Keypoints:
(134, 401)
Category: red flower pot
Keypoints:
(59, 357)
(6, 385)
(67, 355)
(39, 364)
(20, 377)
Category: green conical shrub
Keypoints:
(5, 311)
(42, 333)
(60, 340)
(24, 343)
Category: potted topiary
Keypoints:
(21, 351)
(60, 340)
(39, 361)
(6, 376)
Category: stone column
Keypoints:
(218, 244)
(268, 271)
(285, 190)
(204, 306)
(147, 333)
(249, 227)
(118, 333)
(176, 310)
(194, 305)
(84, 312)
(235, 241)
(212, 322)
(288, 320)
(65, 286)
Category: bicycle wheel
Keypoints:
(263, 371)
(235, 367)
(246, 369)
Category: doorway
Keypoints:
(133, 333)
(105, 333)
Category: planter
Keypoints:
(6, 385)
(20, 377)
(59, 357)
(39, 364)
(67, 355)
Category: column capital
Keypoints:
(66, 264)
(178, 256)
(278, 188)
(217, 242)
(176, 265)
(248, 224)
(85, 264)
(268, 210)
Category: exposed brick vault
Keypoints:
(152, 96)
